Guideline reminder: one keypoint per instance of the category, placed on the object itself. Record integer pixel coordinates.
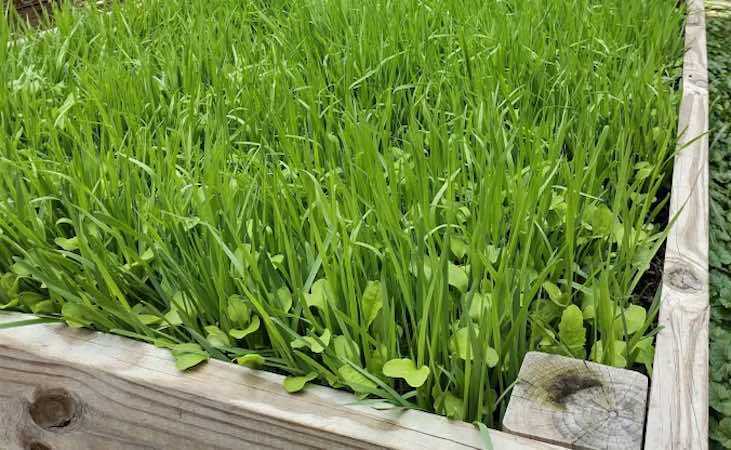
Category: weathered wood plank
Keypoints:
(678, 409)
(68, 389)
(579, 404)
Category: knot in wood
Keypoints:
(35, 445)
(53, 409)
(684, 279)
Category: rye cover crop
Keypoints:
(396, 197)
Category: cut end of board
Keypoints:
(577, 404)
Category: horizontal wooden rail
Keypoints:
(678, 409)
(70, 389)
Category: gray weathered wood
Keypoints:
(678, 408)
(67, 389)
(578, 404)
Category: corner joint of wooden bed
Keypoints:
(577, 404)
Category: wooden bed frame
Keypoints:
(70, 389)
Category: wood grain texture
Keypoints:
(578, 404)
(678, 409)
(69, 389)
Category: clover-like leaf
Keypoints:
(148, 255)
(614, 357)
(238, 333)
(149, 319)
(30, 299)
(252, 360)
(172, 317)
(346, 349)
(69, 244)
(634, 318)
(188, 355)
(75, 315)
(216, 337)
(480, 305)
(316, 345)
(276, 260)
(295, 384)
(319, 294)
(457, 277)
(10, 304)
(645, 353)
(8, 285)
(355, 379)
(588, 304)
(44, 307)
(237, 310)
(493, 253)
(571, 331)
(553, 291)
(601, 219)
(164, 343)
(372, 301)
(460, 345)
(21, 269)
(284, 297)
(406, 369)
(458, 247)
(453, 406)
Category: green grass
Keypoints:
(719, 62)
(400, 198)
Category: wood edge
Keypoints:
(673, 423)
(381, 429)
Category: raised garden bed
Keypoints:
(67, 389)
(32, 10)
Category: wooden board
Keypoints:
(579, 404)
(69, 389)
(32, 10)
(678, 409)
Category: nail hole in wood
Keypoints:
(53, 409)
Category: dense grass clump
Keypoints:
(399, 197)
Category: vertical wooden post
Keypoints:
(678, 412)
(577, 404)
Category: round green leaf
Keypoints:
(252, 360)
(296, 384)
(346, 349)
(406, 369)
(316, 345)
(67, 244)
(216, 337)
(186, 361)
(319, 294)
(238, 311)
(480, 305)
(571, 331)
(188, 355)
(356, 380)
(458, 277)
(372, 301)
(285, 298)
(242, 333)
(634, 317)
